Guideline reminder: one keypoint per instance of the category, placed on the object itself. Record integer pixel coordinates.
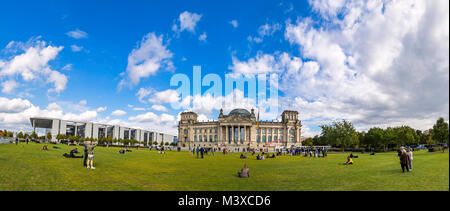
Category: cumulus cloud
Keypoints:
(159, 108)
(118, 113)
(77, 34)
(186, 21)
(150, 56)
(166, 96)
(30, 61)
(374, 63)
(15, 113)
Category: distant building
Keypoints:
(238, 129)
(97, 130)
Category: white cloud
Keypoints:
(76, 48)
(234, 23)
(30, 60)
(167, 96)
(138, 109)
(202, 37)
(82, 102)
(146, 59)
(15, 113)
(142, 93)
(159, 108)
(9, 86)
(375, 63)
(13, 105)
(100, 109)
(118, 113)
(77, 34)
(266, 30)
(266, 63)
(186, 21)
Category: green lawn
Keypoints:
(27, 167)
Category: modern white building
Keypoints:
(97, 130)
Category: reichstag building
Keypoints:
(238, 131)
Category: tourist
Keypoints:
(258, 157)
(90, 149)
(202, 151)
(349, 161)
(27, 141)
(198, 151)
(404, 160)
(244, 173)
(85, 154)
(410, 155)
(17, 141)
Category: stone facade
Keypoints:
(238, 130)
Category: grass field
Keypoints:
(27, 167)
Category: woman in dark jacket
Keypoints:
(404, 160)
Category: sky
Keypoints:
(375, 63)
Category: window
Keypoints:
(291, 131)
(215, 138)
(291, 139)
(264, 139)
(258, 139)
(270, 131)
(264, 131)
(210, 138)
(269, 139)
(275, 138)
(205, 138)
(200, 138)
(275, 131)
(185, 131)
(195, 138)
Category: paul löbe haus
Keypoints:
(239, 130)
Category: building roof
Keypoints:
(239, 111)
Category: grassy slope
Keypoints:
(27, 167)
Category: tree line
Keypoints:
(343, 134)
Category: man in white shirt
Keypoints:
(410, 154)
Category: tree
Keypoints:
(440, 131)
(341, 134)
(49, 136)
(20, 135)
(167, 144)
(308, 142)
(34, 135)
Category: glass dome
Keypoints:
(239, 111)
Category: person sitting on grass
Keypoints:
(349, 161)
(273, 155)
(45, 147)
(258, 157)
(242, 156)
(122, 151)
(244, 173)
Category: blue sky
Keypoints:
(319, 49)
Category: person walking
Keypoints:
(197, 149)
(90, 149)
(404, 160)
(410, 156)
